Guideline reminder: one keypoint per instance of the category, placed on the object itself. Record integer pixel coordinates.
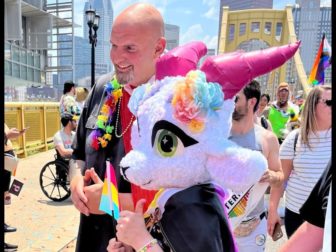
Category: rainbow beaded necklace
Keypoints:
(103, 131)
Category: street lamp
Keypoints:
(93, 23)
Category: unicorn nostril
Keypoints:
(123, 171)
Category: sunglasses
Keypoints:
(326, 102)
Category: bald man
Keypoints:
(137, 40)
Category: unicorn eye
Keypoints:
(167, 143)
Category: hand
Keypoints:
(14, 133)
(77, 193)
(270, 177)
(131, 227)
(93, 192)
(117, 246)
(272, 219)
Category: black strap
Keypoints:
(263, 122)
(295, 140)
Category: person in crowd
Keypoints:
(81, 95)
(304, 155)
(264, 102)
(137, 40)
(277, 112)
(68, 100)
(63, 141)
(64, 137)
(247, 134)
(260, 118)
(315, 232)
(10, 133)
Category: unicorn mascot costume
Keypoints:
(181, 147)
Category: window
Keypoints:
(255, 26)
(30, 59)
(23, 74)
(278, 31)
(16, 70)
(231, 32)
(37, 60)
(8, 53)
(37, 76)
(16, 54)
(23, 56)
(8, 67)
(242, 29)
(30, 74)
(268, 27)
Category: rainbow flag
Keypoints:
(322, 61)
(109, 201)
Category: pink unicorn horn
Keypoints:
(180, 60)
(235, 70)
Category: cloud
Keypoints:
(194, 32)
(210, 41)
(213, 11)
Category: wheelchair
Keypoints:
(54, 179)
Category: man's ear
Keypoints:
(252, 102)
(160, 46)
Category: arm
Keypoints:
(274, 174)
(131, 230)
(66, 153)
(308, 238)
(275, 195)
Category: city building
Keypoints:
(241, 5)
(172, 34)
(102, 52)
(312, 20)
(31, 28)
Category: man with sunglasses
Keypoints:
(278, 113)
(251, 234)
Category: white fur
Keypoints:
(213, 158)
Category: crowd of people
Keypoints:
(257, 124)
(293, 136)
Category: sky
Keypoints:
(197, 19)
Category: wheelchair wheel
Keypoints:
(54, 181)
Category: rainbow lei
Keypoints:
(103, 132)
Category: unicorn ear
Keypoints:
(180, 60)
(235, 70)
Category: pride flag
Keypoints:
(239, 205)
(109, 201)
(322, 61)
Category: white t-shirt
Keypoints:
(308, 165)
(62, 138)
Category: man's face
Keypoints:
(133, 54)
(283, 95)
(73, 125)
(241, 107)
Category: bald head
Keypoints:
(137, 40)
(141, 15)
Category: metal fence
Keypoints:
(43, 120)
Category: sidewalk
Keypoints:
(47, 226)
(42, 225)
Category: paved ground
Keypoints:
(44, 225)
